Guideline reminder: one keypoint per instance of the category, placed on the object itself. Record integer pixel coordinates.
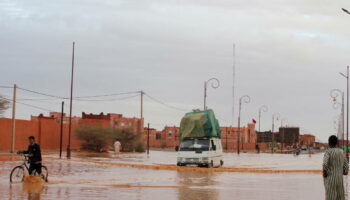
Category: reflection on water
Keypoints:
(200, 186)
(102, 177)
(33, 186)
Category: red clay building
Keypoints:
(46, 129)
(307, 140)
(169, 137)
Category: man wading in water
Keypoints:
(34, 156)
(334, 167)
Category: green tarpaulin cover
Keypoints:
(198, 124)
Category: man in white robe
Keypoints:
(335, 165)
(117, 147)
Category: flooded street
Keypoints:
(136, 176)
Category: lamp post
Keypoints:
(276, 117)
(264, 109)
(347, 102)
(347, 109)
(245, 99)
(346, 11)
(215, 84)
(334, 94)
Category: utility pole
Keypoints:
(61, 131)
(148, 139)
(142, 93)
(13, 127)
(70, 107)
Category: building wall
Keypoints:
(46, 129)
(307, 139)
(169, 137)
(46, 132)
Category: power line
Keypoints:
(29, 105)
(107, 95)
(79, 97)
(118, 99)
(164, 104)
(43, 94)
(1, 86)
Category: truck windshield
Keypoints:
(194, 144)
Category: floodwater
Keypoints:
(136, 176)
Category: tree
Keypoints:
(4, 105)
(96, 138)
(129, 140)
(126, 138)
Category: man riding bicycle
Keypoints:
(34, 155)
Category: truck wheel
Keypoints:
(211, 164)
(221, 162)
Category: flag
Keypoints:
(254, 121)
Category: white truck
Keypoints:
(200, 142)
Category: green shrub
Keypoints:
(96, 138)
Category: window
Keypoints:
(158, 136)
(121, 123)
(193, 145)
(170, 133)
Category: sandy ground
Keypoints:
(138, 176)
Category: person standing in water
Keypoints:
(117, 147)
(335, 165)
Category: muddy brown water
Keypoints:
(136, 176)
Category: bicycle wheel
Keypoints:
(44, 173)
(17, 174)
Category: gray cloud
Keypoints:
(288, 55)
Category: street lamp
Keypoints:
(346, 11)
(276, 117)
(264, 109)
(347, 109)
(215, 84)
(245, 99)
(334, 94)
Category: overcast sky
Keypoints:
(288, 55)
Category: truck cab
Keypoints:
(205, 152)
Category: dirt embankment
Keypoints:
(203, 170)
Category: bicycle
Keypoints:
(18, 172)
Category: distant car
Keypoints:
(304, 148)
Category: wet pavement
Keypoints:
(136, 176)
